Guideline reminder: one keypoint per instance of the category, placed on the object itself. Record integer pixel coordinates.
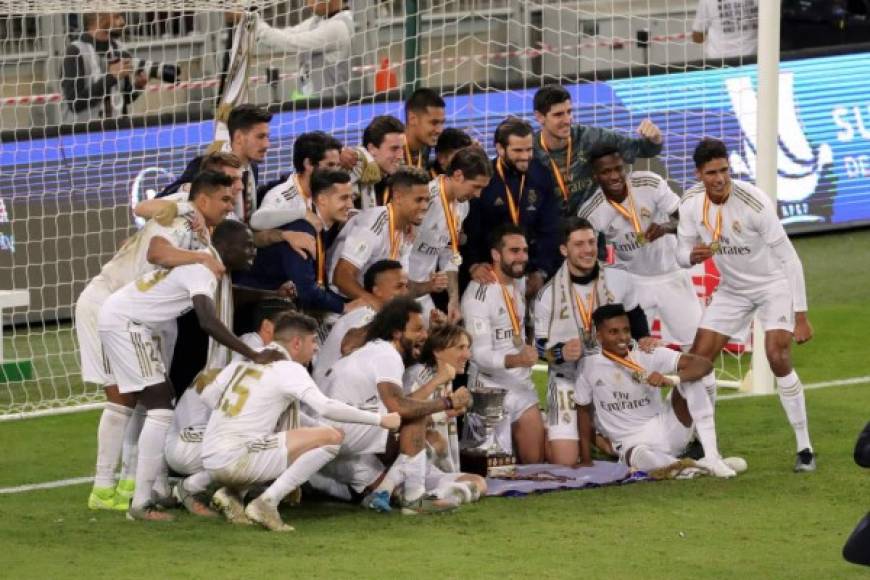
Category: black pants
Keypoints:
(857, 548)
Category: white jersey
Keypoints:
(730, 27)
(131, 260)
(654, 202)
(282, 204)
(487, 319)
(432, 250)
(366, 240)
(330, 350)
(253, 340)
(354, 379)
(622, 404)
(417, 376)
(190, 412)
(751, 234)
(612, 286)
(157, 297)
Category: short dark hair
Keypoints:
(271, 309)
(380, 127)
(572, 224)
(549, 95)
(452, 139)
(708, 150)
(600, 150)
(472, 162)
(228, 232)
(502, 231)
(246, 116)
(393, 317)
(441, 337)
(323, 179)
(511, 126)
(208, 181)
(406, 177)
(214, 161)
(421, 99)
(370, 278)
(313, 147)
(295, 323)
(606, 312)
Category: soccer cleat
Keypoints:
(105, 498)
(148, 513)
(716, 467)
(694, 450)
(192, 503)
(429, 504)
(738, 464)
(125, 489)
(805, 462)
(267, 516)
(378, 501)
(231, 506)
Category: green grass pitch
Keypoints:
(767, 523)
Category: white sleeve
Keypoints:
(666, 200)
(773, 234)
(702, 17)
(543, 303)
(278, 210)
(336, 410)
(328, 33)
(359, 245)
(389, 368)
(665, 361)
(199, 280)
(582, 390)
(687, 236)
(476, 315)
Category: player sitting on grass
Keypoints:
(240, 446)
(130, 324)
(622, 384)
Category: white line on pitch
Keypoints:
(821, 385)
(46, 485)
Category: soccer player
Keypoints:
(564, 332)
(437, 243)
(153, 246)
(384, 280)
(378, 158)
(290, 198)
(561, 145)
(520, 193)
(449, 142)
(424, 123)
(380, 233)
(274, 265)
(130, 323)
(622, 384)
(736, 224)
(372, 378)
(266, 314)
(638, 214)
(500, 357)
(446, 352)
(240, 446)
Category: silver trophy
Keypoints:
(489, 459)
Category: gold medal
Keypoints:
(715, 246)
(638, 376)
(640, 238)
(456, 260)
(638, 373)
(451, 220)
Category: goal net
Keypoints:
(67, 191)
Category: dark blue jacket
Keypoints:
(278, 263)
(193, 168)
(539, 216)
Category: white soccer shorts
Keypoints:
(134, 357)
(184, 450)
(730, 312)
(94, 367)
(356, 471)
(664, 432)
(672, 298)
(260, 460)
(561, 409)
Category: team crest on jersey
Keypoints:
(498, 202)
(533, 197)
(736, 227)
(599, 383)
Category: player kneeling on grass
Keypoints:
(133, 318)
(446, 352)
(240, 447)
(622, 383)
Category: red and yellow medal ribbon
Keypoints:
(409, 158)
(584, 311)
(717, 231)
(449, 217)
(630, 214)
(511, 310)
(395, 237)
(386, 196)
(638, 372)
(320, 261)
(512, 205)
(560, 179)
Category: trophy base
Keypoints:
(487, 464)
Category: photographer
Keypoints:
(857, 548)
(100, 79)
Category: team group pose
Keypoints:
(344, 315)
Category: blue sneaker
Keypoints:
(378, 501)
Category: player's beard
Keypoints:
(408, 356)
(509, 270)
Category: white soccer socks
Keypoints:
(151, 460)
(298, 473)
(110, 439)
(130, 455)
(415, 477)
(791, 395)
(709, 382)
(647, 459)
(197, 483)
(701, 409)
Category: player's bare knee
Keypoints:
(780, 360)
(333, 436)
